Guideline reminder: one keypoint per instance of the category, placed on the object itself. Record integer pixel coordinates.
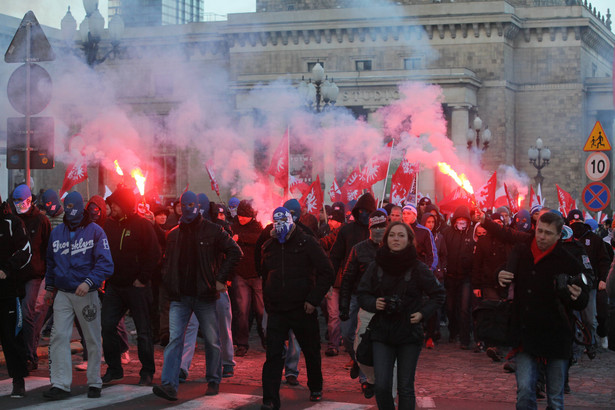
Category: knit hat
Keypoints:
(233, 202)
(496, 216)
(245, 209)
(158, 209)
(124, 198)
(409, 207)
(293, 206)
(566, 232)
(574, 215)
(377, 219)
(383, 210)
(337, 215)
(592, 224)
(425, 201)
(535, 208)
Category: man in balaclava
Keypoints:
(50, 203)
(425, 244)
(136, 253)
(348, 236)
(15, 254)
(79, 261)
(296, 275)
(361, 255)
(203, 201)
(460, 247)
(199, 258)
(38, 228)
(233, 203)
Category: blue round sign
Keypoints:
(596, 196)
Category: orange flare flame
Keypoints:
(117, 168)
(461, 180)
(520, 199)
(137, 174)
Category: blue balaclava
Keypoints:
(94, 212)
(203, 205)
(74, 209)
(233, 203)
(190, 207)
(282, 223)
(523, 221)
(22, 199)
(51, 203)
(293, 206)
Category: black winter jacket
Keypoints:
(395, 328)
(134, 248)
(361, 256)
(39, 229)
(218, 255)
(294, 272)
(595, 248)
(542, 321)
(247, 234)
(15, 253)
(490, 256)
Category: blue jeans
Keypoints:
(527, 374)
(179, 315)
(407, 356)
(349, 330)
(333, 313)
(458, 306)
(190, 336)
(291, 358)
(33, 317)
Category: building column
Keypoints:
(460, 122)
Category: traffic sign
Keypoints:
(596, 196)
(597, 166)
(29, 31)
(41, 142)
(597, 140)
(40, 89)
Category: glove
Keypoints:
(344, 315)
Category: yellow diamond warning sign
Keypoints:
(597, 140)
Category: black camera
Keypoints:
(563, 280)
(393, 304)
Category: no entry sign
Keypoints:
(596, 196)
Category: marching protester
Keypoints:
(199, 258)
(51, 206)
(425, 245)
(15, 254)
(393, 289)
(78, 262)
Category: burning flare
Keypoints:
(461, 180)
(117, 168)
(520, 199)
(137, 174)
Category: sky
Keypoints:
(50, 12)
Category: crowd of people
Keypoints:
(520, 288)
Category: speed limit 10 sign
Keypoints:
(597, 166)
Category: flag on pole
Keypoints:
(334, 192)
(214, 184)
(566, 203)
(512, 203)
(376, 168)
(75, 174)
(353, 186)
(313, 201)
(298, 185)
(459, 197)
(485, 196)
(534, 199)
(279, 166)
(403, 181)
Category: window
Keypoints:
(312, 64)
(165, 173)
(413, 63)
(363, 65)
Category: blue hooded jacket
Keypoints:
(85, 257)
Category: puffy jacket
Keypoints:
(395, 328)
(15, 252)
(218, 255)
(84, 258)
(247, 236)
(294, 272)
(361, 256)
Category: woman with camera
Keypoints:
(393, 288)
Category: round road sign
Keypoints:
(597, 166)
(596, 196)
(40, 89)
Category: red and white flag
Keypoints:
(298, 185)
(75, 174)
(376, 168)
(212, 176)
(403, 181)
(541, 199)
(314, 199)
(353, 186)
(280, 163)
(459, 197)
(334, 192)
(485, 196)
(566, 203)
(512, 199)
(601, 217)
(534, 199)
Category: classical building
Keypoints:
(140, 13)
(529, 68)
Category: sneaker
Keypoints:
(510, 367)
(31, 366)
(268, 406)
(332, 352)
(605, 342)
(145, 380)
(479, 348)
(212, 389)
(241, 351)
(126, 357)
(166, 391)
(429, 344)
(56, 394)
(19, 388)
(109, 377)
(368, 390)
(492, 352)
(355, 371)
(316, 396)
(82, 367)
(292, 380)
(228, 372)
(183, 376)
(94, 392)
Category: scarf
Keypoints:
(396, 263)
(538, 254)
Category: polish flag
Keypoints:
(403, 181)
(75, 174)
(353, 186)
(280, 163)
(500, 198)
(376, 168)
(334, 192)
(485, 196)
(212, 176)
(313, 201)
(534, 199)
(512, 202)
(298, 185)
(566, 203)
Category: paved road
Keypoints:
(447, 378)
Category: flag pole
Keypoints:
(384, 189)
(287, 189)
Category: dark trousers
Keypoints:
(115, 304)
(13, 345)
(248, 297)
(458, 305)
(34, 313)
(307, 332)
(407, 356)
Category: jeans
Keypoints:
(305, 327)
(115, 304)
(407, 356)
(588, 315)
(333, 322)
(349, 330)
(190, 335)
(458, 304)
(291, 358)
(34, 311)
(527, 374)
(248, 295)
(179, 315)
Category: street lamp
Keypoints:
(539, 157)
(320, 91)
(475, 135)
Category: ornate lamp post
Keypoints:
(539, 157)
(319, 92)
(475, 135)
